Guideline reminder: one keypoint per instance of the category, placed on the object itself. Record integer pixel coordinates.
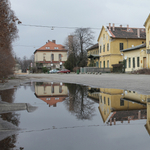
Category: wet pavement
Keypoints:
(73, 116)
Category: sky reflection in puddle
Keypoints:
(71, 116)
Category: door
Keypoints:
(144, 62)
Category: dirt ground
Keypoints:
(138, 83)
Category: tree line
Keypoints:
(8, 33)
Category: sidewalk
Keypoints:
(139, 83)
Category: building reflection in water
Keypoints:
(118, 106)
(50, 92)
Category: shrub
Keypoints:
(44, 69)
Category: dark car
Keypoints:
(64, 71)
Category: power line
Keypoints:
(52, 27)
(27, 45)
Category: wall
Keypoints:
(141, 53)
(39, 56)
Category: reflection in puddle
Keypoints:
(66, 111)
(51, 93)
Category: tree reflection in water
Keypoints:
(12, 117)
(78, 103)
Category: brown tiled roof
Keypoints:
(131, 33)
(51, 46)
(93, 47)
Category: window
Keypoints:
(59, 57)
(103, 64)
(52, 88)
(100, 64)
(133, 62)
(55, 47)
(121, 102)
(97, 64)
(43, 58)
(107, 46)
(47, 47)
(100, 49)
(107, 63)
(101, 99)
(121, 46)
(129, 62)
(138, 61)
(104, 111)
(52, 57)
(108, 102)
(103, 36)
(104, 48)
(60, 89)
(104, 101)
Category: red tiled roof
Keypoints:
(51, 46)
(131, 33)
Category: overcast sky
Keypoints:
(71, 13)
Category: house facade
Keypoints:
(135, 58)
(113, 39)
(51, 93)
(51, 55)
(93, 56)
(113, 101)
(138, 57)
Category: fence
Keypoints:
(95, 69)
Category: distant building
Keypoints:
(51, 55)
(93, 56)
(51, 93)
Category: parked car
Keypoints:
(54, 71)
(64, 71)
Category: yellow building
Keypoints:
(51, 55)
(135, 58)
(113, 39)
(112, 101)
(147, 126)
(93, 56)
(138, 57)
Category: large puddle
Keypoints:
(60, 116)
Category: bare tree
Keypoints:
(8, 33)
(77, 43)
(85, 38)
(25, 62)
(78, 103)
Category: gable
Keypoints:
(104, 30)
(147, 20)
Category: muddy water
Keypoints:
(61, 116)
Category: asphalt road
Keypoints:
(138, 83)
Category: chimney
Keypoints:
(121, 26)
(138, 33)
(127, 27)
(48, 40)
(113, 27)
(54, 41)
(109, 26)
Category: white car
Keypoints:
(54, 71)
